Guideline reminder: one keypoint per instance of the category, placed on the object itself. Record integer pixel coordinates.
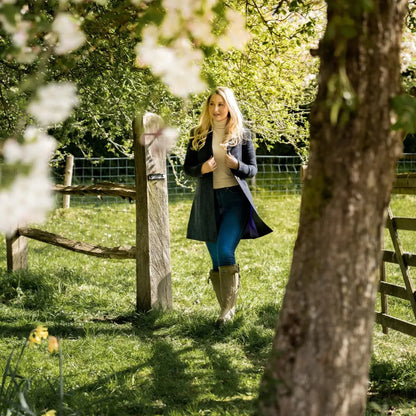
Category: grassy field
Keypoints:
(117, 362)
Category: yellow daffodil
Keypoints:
(37, 334)
(50, 413)
(42, 331)
(53, 345)
(34, 339)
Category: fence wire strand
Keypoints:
(276, 175)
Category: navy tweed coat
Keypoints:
(202, 224)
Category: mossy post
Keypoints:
(153, 268)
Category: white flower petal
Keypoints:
(54, 103)
(69, 33)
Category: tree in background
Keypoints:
(321, 351)
(271, 77)
(45, 51)
(275, 75)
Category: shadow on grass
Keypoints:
(165, 383)
(392, 386)
(26, 289)
(170, 388)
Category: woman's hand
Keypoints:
(230, 161)
(209, 166)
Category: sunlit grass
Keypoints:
(117, 362)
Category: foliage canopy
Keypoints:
(272, 76)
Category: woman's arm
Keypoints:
(192, 166)
(247, 166)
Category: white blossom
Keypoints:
(178, 65)
(27, 201)
(169, 136)
(236, 35)
(167, 50)
(37, 146)
(7, 26)
(408, 50)
(29, 197)
(201, 28)
(156, 134)
(69, 33)
(186, 8)
(308, 79)
(192, 15)
(21, 35)
(171, 25)
(54, 103)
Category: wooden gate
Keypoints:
(405, 184)
(152, 250)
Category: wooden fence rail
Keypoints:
(121, 252)
(152, 250)
(99, 189)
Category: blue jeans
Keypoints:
(231, 211)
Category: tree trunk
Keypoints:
(321, 351)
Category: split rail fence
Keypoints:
(405, 184)
(152, 250)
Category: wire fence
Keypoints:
(277, 175)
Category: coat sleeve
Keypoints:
(247, 165)
(192, 165)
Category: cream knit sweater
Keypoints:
(223, 176)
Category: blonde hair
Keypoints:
(234, 127)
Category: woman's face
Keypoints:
(218, 109)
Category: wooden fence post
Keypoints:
(69, 167)
(17, 251)
(153, 269)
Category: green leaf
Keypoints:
(405, 108)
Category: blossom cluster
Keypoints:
(28, 198)
(171, 49)
(25, 185)
(65, 35)
(53, 103)
(408, 50)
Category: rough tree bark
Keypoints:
(321, 351)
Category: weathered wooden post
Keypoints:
(69, 167)
(303, 169)
(153, 270)
(17, 252)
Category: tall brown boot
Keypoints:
(214, 276)
(229, 282)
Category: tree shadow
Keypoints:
(170, 387)
(174, 335)
(391, 384)
(26, 289)
(268, 315)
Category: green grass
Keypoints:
(117, 362)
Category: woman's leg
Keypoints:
(232, 214)
(213, 252)
(231, 227)
(234, 211)
(230, 232)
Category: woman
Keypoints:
(221, 155)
